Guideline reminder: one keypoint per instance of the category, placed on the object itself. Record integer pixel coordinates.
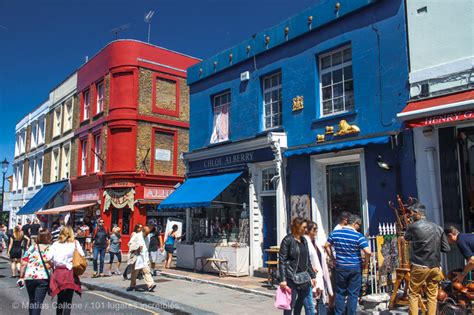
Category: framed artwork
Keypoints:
(300, 207)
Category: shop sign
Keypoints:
(119, 198)
(85, 195)
(157, 192)
(241, 158)
(119, 184)
(162, 155)
(442, 119)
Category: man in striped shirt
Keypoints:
(348, 245)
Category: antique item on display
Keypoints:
(298, 103)
(320, 138)
(329, 130)
(346, 129)
(300, 206)
(119, 198)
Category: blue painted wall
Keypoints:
(376, 33)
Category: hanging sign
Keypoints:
(119, 198)
(441, 119)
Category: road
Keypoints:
(15, 301)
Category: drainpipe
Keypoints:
(430, 155)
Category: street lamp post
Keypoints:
(5, 164)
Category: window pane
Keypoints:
(337, 90)
(275, 120)
(268, 122)
(338, 104)
(337, 76)
(337, 58)
(266, 83)
(348, 73)
(326, 79)
(268, 109)
(326, 62)
(348, 86)
(275, 95)
(267, 97)
(327, 107)
(349, 102)
(274, 81)
(347, 54)
(327, 93)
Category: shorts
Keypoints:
(169, 248)
(111, 257)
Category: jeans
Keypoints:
(299, 299)
(322, 308)
(97, 252)
(37, 290)
(348, 284)
(64, 305)
(309, 305)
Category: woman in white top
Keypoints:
(63, 280)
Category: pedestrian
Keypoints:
(34, 229)
(318, 258)
(3, 238)
(296, 272)
(15, 249)
(137, 229)
(34, 271)
(427, 241)
(81, 237)
(88, 240)
(55, 232)
(140, 260)
(63, 281)
(26, 228)
(154, 248)
(170, 243)
(343, 218)
(100, 243)
(114, 250)
(348, 244)
(465, 244)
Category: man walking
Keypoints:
(343, 218)
(465, 243)
(348, 245)
(100, 243)
(139, 259)
(427, 241)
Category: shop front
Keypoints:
(233, 203)
(443, 129)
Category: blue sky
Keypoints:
(42, 42)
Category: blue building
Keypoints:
(304, 115)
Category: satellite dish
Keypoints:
(120, 29)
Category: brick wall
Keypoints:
(165, 95)
(47, 166)
(74, 158)
(26, 172)
(49, 127)
(28, 139)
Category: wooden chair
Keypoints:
(272, 266)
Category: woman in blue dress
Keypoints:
(169, 245)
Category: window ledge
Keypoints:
(211, 145)
(99, 114)
(266, 131)
(333, 117)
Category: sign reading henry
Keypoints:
(441, 119)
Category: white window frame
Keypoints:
(84, 157)
(31, 173)
(17, 145)
(68, 113)
(34, 135)
(100, 97)
(87, 104)
(55, 159)
(39, 171)
(266, 172)
(66, 160)
(332, 69)
(20, 176)
(57, 115)
(98, 152)
(270, 90)
(215, 138)
(41, 130)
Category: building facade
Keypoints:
(133, 127)
(28, 162)
(303, 114)
(440, 113)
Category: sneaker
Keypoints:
(130, 289)
(95, 275)
(152, 288)
(117, 272)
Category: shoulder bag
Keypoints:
(300, 278)
(79, 262)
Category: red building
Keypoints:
(134, 122)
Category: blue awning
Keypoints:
(330, 147)
(199, 191)
(42, 197)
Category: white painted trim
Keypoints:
(441, 109)
(319, 204)
(441, 70)
(161, 65)
(60, 140)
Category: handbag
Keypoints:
(45, 268)
(283, 299)
(300, 278)
(79, 262)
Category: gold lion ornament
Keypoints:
(346, 129)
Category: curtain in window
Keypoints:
(221, 124)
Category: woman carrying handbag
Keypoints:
(34, 272)
(64, 279)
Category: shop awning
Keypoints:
(439, 110)
(42, 197)
(67, 208)
(199, 191)
(338, 146)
